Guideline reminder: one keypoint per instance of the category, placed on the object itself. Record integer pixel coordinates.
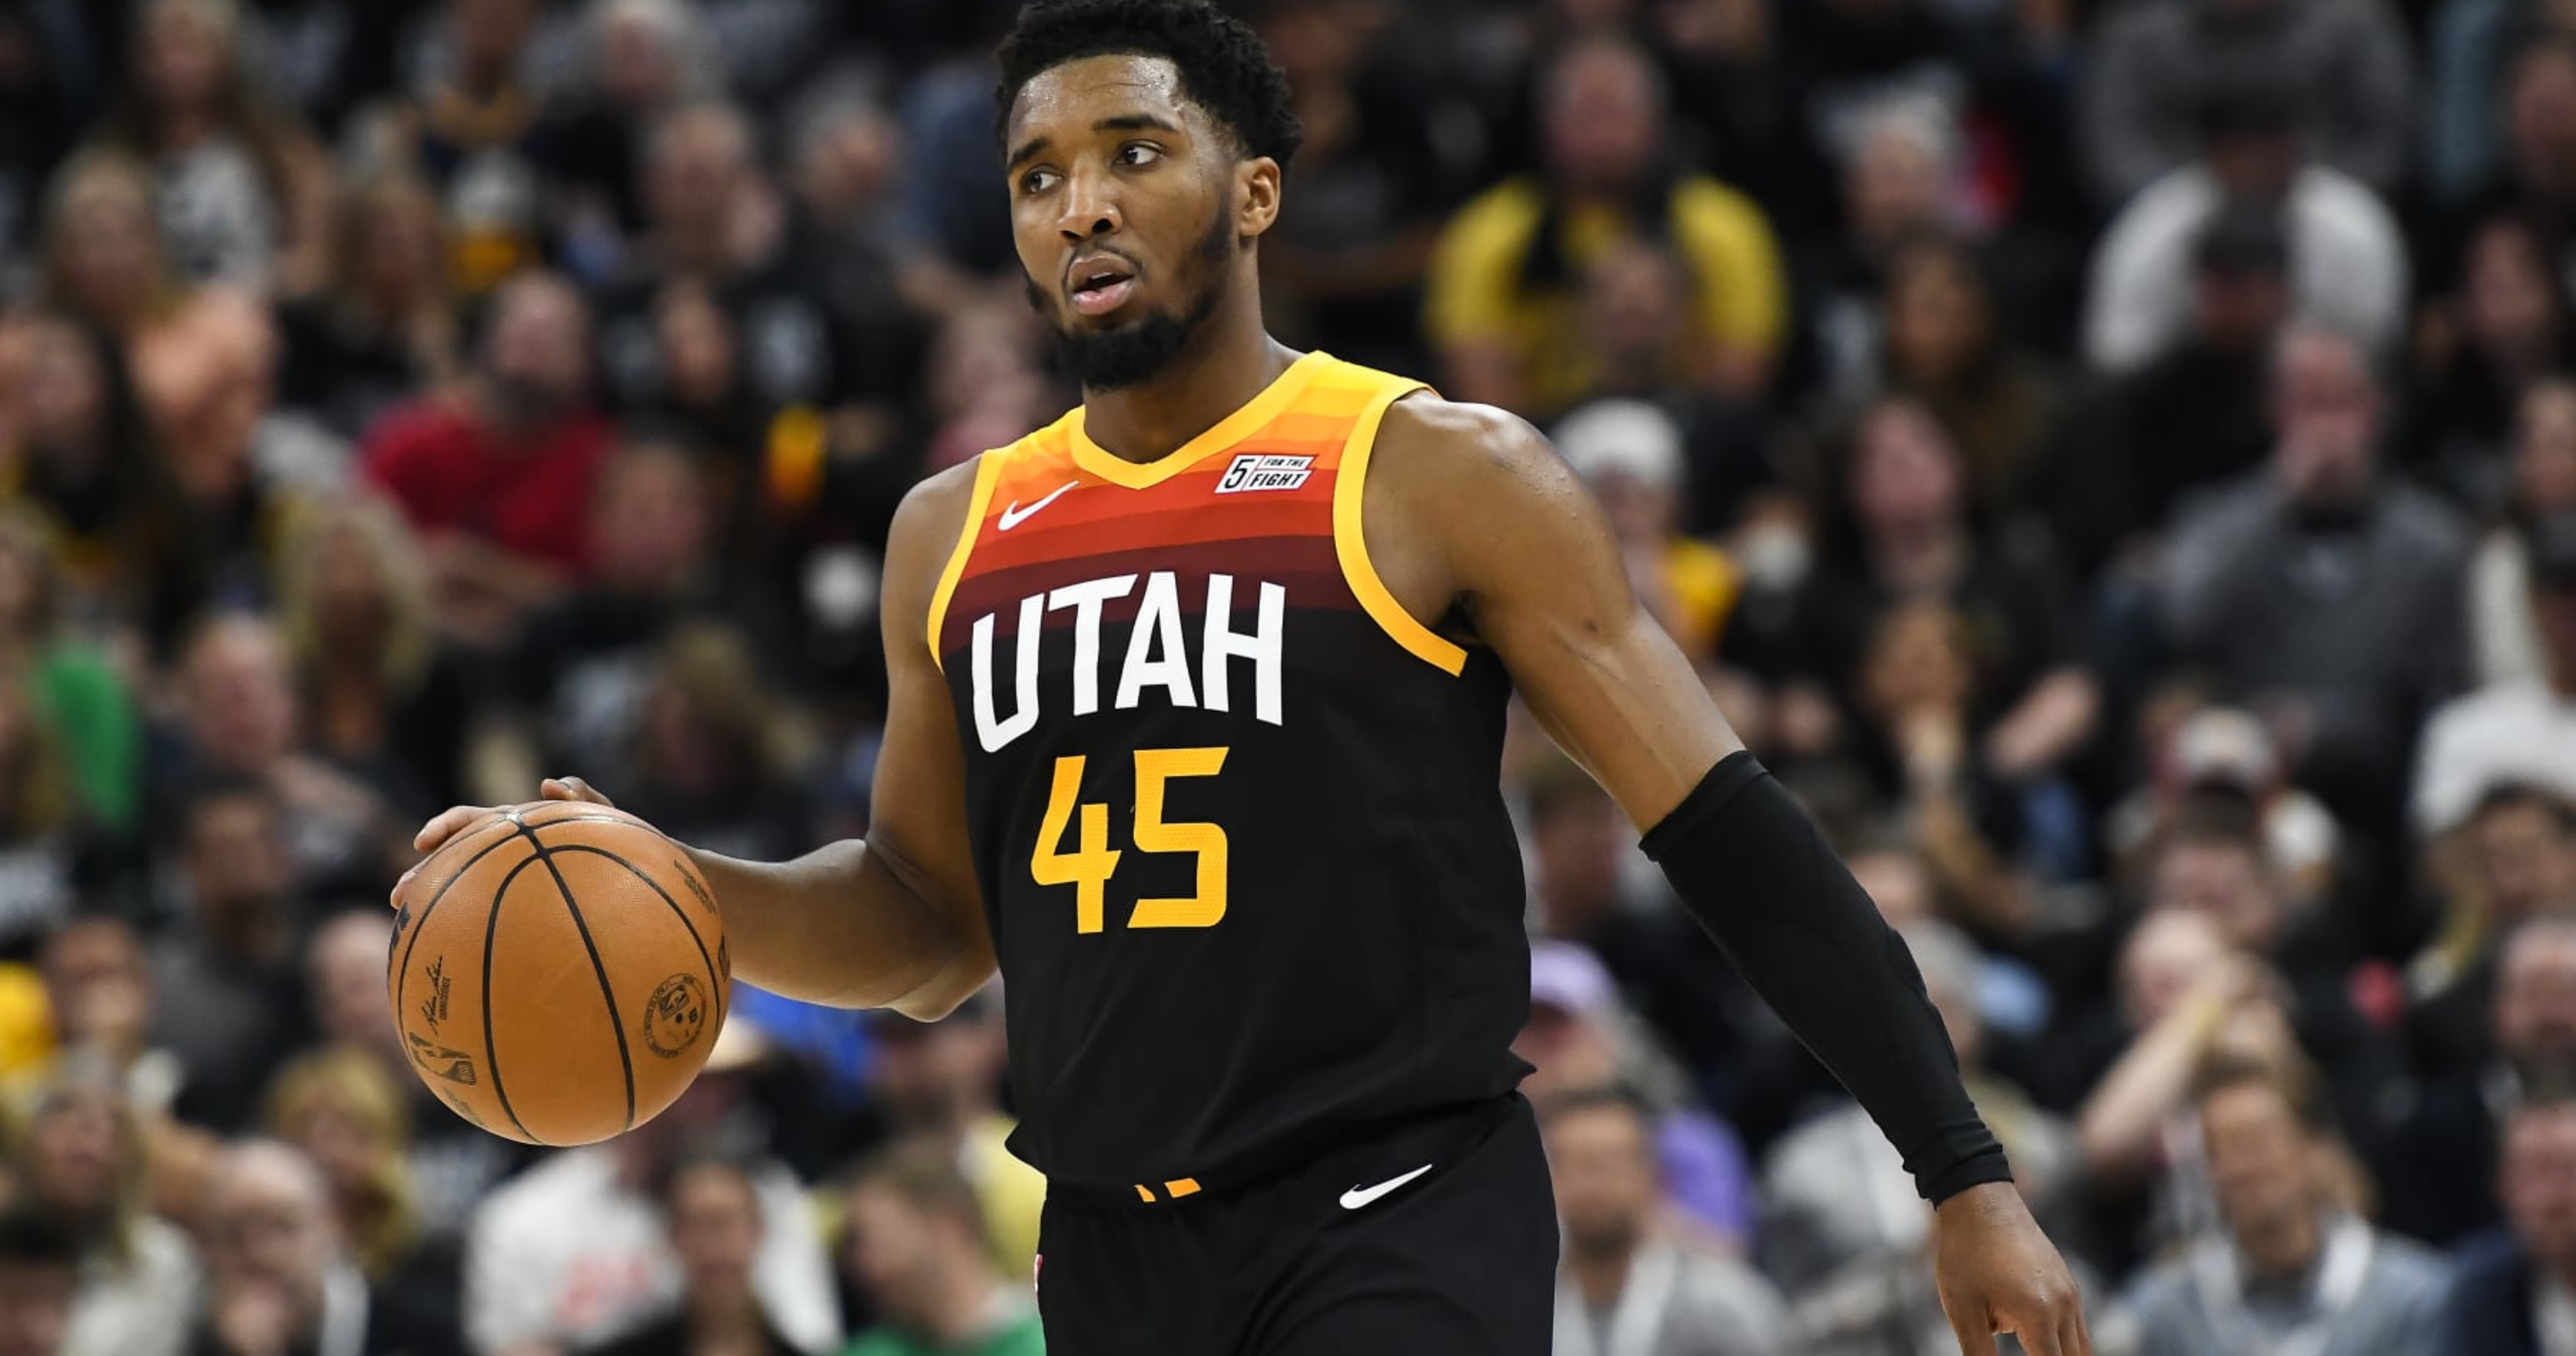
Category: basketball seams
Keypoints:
(403, 974)
(598, 968)
(716, 982)
(420, 924)
(491, 1045)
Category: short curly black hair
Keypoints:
(1224, 66)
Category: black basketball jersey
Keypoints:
(1237, 817)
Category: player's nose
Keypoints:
(1090, 207)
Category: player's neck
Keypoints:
(1231, 360)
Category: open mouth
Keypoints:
(1100, 284)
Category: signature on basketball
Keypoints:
(433, 1009)
(676, 1015)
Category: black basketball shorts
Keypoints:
(1438, 1239)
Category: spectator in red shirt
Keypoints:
(497, 473)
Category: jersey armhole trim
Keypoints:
(988, 470)
(1350, 481)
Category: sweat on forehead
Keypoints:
(1106, 91)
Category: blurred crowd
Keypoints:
(2114, 459)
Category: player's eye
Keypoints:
(1139, 153)
(1037, 181)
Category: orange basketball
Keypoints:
(558, 973)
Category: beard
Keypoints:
(1128, 354)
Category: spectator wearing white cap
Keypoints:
(2228, 750)
(2515, 730)
(1629, 453)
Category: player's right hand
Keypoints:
(456, 818)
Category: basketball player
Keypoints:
(1197, 704)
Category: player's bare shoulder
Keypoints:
(926, 527)
(1477, 481)
(1459, 445)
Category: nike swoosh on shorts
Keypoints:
(1361, 1197)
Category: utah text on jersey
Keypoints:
(1161, 655)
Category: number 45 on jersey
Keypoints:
(1092, 862)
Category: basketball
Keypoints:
(558, 973)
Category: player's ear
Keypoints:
(1256, 196)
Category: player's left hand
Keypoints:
(455, 819)
(1999, 1273)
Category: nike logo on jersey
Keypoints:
(1160, 657)
(1360, 1198)
(1013, 515)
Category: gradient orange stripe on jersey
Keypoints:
(1169, 514)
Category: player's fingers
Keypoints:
(440, 829)
(1974, 1340)
(573, 788)
(2074, 1337)
(2045, 1336)
(433, 836)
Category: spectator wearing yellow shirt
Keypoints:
(1629, 453)
(1502, 298)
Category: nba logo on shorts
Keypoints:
(1263, 471)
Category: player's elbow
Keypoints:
(944, 992)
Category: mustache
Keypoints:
(1128, 354)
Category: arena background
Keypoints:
(2115, 460)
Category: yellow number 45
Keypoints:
(1092, 862)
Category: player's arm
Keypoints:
(1532, 567)
(894, 920)
(1522, 551)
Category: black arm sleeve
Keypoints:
(1751, 867)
